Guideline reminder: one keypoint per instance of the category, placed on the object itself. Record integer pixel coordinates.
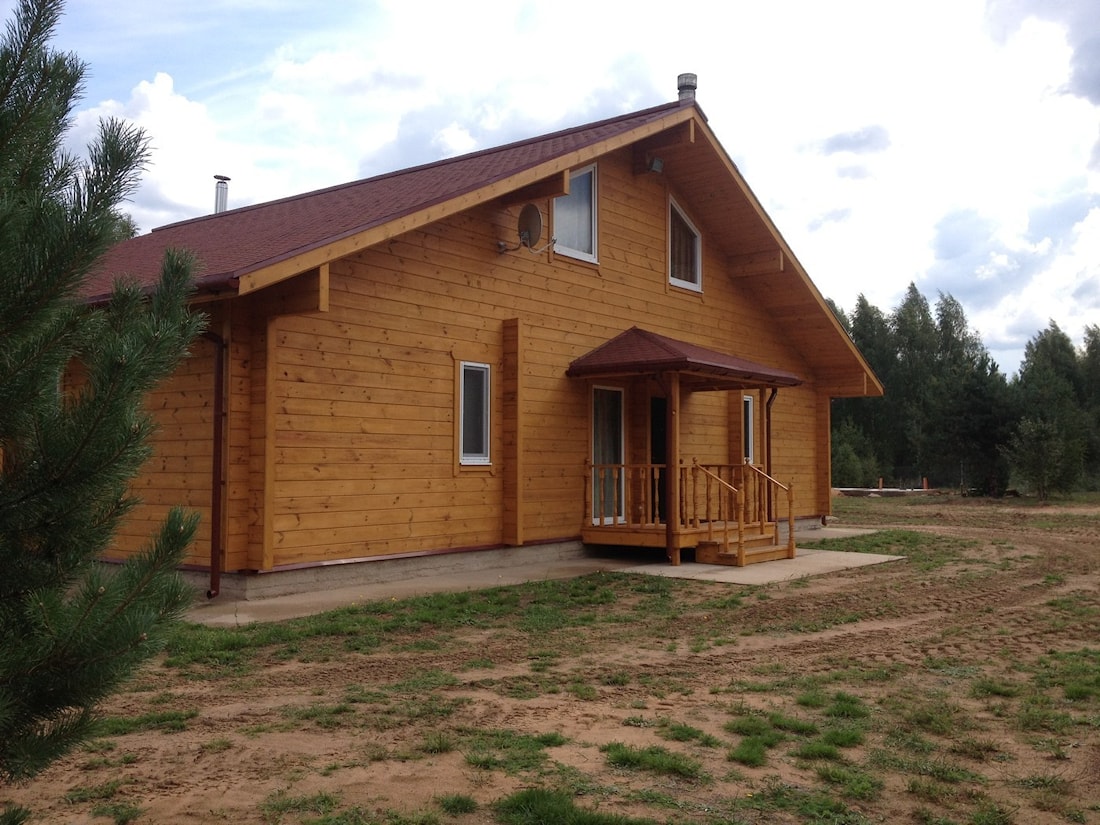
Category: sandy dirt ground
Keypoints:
(386, 732)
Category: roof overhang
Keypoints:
(638, 352)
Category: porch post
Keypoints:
(672, 464)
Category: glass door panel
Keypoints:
(607, 455)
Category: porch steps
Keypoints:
(759, 546)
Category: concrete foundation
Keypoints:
(252, 586)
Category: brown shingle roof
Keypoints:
(234, 243)
(640, 352)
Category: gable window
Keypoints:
(474, 413)
(684, 250)
(575, 217)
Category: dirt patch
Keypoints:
(965, 666)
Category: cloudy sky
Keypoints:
(950, 143)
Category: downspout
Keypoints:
(768, 449)
(217, 477)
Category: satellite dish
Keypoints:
(530, 226)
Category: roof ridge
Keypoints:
(436, 164)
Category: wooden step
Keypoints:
(716, 552)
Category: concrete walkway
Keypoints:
(225, 611)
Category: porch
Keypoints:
(730, 513)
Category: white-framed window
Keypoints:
(473, 427)
(685, 268)
(575, 217)
(748, 430)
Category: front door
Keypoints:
(607, 455)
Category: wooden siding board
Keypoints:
(343, 423)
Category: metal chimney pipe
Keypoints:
(221, 193)
(686, 84)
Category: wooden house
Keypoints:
(595, 335)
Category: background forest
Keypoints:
(952, 417)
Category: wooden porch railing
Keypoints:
(626, 494)
(715, 501)
(750, 500)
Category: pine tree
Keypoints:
(1050, 389)
(72, 432)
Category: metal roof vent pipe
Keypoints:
(221, 193)
(686, 84)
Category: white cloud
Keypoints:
(973, 109)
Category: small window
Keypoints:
(474, 413)
(575, 217)
(747, 430)
(684, 250)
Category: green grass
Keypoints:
(812, 805)
(506, 750)
(168, 720)
(542, 607)
(679, 732)
(853, 783)
(846, 706)
(538, 806)
(278, 804)
(792, 724)
(917, 730)
(89, 793)
(817, 749)
(121, 813)
(984, 687)
(323, 716)
(751, 751)
(923, 550)
(456, 804)
(845, 736)
(654, 759)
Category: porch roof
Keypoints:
(641, 352)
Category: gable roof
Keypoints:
(641, 352)
(246, 249)
(235, 244)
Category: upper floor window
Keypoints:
(474, 413)
(575, 216)
(684, 250)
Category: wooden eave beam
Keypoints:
(552, 187)
(849, 385)
(307, 293)
(756, 263)
(644, 150)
